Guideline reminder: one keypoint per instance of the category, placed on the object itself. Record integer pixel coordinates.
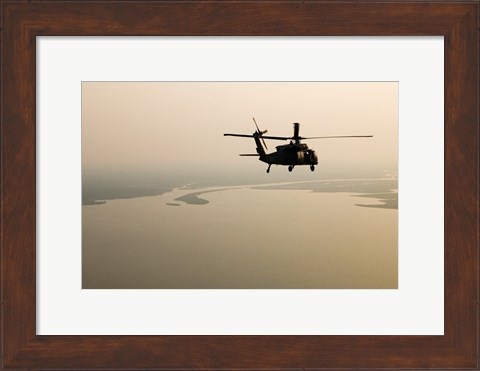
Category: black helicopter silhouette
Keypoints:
(292, 154)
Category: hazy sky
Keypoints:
(179, 126)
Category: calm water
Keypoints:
(240, 238)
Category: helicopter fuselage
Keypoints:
(291, 154)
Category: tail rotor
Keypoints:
(260, 133)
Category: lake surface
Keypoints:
(277, 236)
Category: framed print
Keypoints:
(93, 89)
(307, 275)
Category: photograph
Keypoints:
(240, 185)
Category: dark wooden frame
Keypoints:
(22, 21)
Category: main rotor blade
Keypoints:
(301, 138)
(276, 138)
(239, 135)
(339, 136)
(249, 154)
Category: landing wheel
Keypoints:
(268, 169)
(312, 167)
(290, 168)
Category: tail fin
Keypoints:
(258, 142)
(257, 136)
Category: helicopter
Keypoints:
(292, 154)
